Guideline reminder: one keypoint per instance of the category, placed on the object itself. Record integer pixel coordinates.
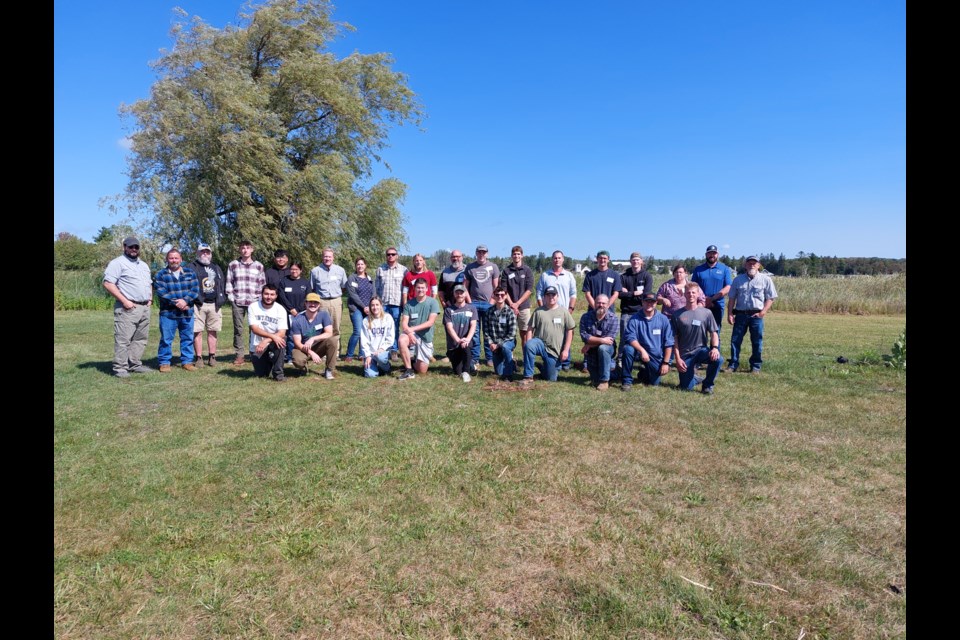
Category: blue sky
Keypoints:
(658, 127)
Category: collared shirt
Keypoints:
(590, 325)
(328, 282)
(244, 282)
(674, 294)
(750, 294)
(712, 279)
(565, 282)
(517, 280)
(132, 278)
(172, 286)
(390, 283)
(499, 325)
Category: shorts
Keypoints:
(523, 320)
(208, 317)
(422, 351)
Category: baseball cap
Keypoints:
(203, 246)
(649, 295)
(712, 247)
(459, 287)
(550, 290)
(313, 297)
(481, 247)
(603, 252)
(754, 258)
(130, 240)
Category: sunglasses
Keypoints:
(391, 254)
(133, 246)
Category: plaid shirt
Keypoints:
(609, 327)
(244, 282)
(497, 331)
(171, 288)
(390, 283)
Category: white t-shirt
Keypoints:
(270, 320)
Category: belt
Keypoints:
(144, 303)
(333, 298)
(750, 311)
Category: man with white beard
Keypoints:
(207, 314)
(751, 296)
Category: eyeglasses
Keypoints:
(133, 246)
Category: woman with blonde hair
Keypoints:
(376, 340)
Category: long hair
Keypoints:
(369, 317)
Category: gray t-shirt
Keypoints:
(481, 278)
(692, 329)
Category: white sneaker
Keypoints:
(328, 374)
(465, 376)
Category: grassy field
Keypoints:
(214, 504)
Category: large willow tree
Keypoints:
(258, 131)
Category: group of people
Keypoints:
(283, 317)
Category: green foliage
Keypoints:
(79, 291)
(258, 131)
(897, 358)
(73, 254)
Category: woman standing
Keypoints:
(670, 293)
(359, 294)
(376, 340)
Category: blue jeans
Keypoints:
(475, 346)
(170, 327)
(356, 318)
(598, 362)
(394, 312)
(503, 362)
(379, 364)
(648, 373)
(531, 350)
(702, 355)
(742, 322)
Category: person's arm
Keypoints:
(567, 341)
(467, 339)
(714, 344)
(573, 293)
(731, 305)
(766, 307)
(616, 288)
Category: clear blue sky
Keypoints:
(648, 126)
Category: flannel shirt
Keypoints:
(171, 288)
(390, 283)
(496, 332)
(609, 327)
(244, 282)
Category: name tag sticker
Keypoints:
(610, 280)
(469, 314)
(558, 321)
(318, 327)
(511, 276)
(414, 316)
(287, 289)
(656, 332)
(354, 285)
(696, 323)
(639, 289)
(489, 267)
(503, 321)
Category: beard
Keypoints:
(752, 271)
(204, 260)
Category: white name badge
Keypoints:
(469, 314)
(696, 323)
(558, 321)
(656, 332)
(354, 285)
(318, 327)
(511, 276)
(489, 267)
(610, 280)
(414, 316)
(639, 290)
(287, 289)
(503, 321)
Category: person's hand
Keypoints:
(644, 356)
(681, 365)
(730, 318)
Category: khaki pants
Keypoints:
(334, 307)
(130, 329)
(327, 348)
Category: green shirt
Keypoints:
(419, 312)
(551, 326)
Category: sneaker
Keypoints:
(123, 373)
(164, 368)
(564, 367)
(585, 368)
(755, 370)
(348, 359)
(328, 374)
(212, 360)
(280, 378)
(189, 367)
(198, 362)
(474, 370)
(140, 368)
(408, 375)
(465, 376)
(730, 369)
(603, 386)
(393, 356)
(627, 387)
(490, 363)
(239, 361)
(708, 391)
(526, 382)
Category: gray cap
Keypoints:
(203, 246)
(130, 240)
(481, 247)
(459, 287)
(749, 258)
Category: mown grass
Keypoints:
(214, 504)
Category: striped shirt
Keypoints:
(244, 282)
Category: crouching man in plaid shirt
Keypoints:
(500, 332)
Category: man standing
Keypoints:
(416, 326)
(245, 280)
(648, 337)
(602, 280)
(450, 277)
(634, 282)
(480, 278)
(327, 280)
(279, 270)
(500, 331)
(206, 313)
(460, 323)
(312, 335)
(598, 330)
(697, 341)
(268, 330)
(518, 281)
(714, 279)
(127, 278)
(177, 288)
(566, 285)
(389, 286)
(549, 336)
(751, 296)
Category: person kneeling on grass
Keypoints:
(376, 339)
(598, 330)
(697, 340)
(548, 336)
(416, 331)
(313, 338)
(500, 329)
(460, 322)
(268, 330)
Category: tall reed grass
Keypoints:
(80, 291)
